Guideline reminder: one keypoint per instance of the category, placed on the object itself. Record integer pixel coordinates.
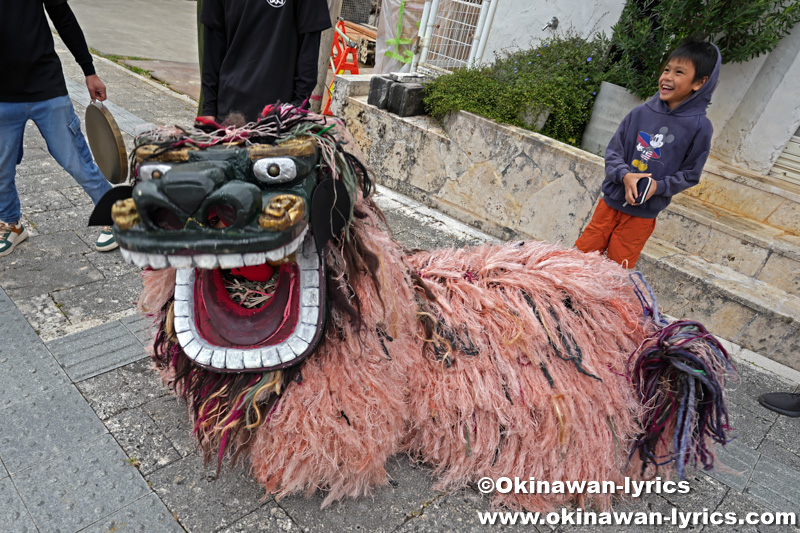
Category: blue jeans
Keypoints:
(61, 129)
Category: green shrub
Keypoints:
(470, 90)
(649, 30)
(560, 76)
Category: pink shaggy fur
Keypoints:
(399, 386)
(496, 414)
(337, 428)
(159, 288)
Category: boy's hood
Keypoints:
(697, 103)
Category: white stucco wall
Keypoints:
(518, 23)
(734, 81)
(768, 113)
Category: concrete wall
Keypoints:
(768, 113)
(734, 81)
(518, 23)
(611, 107)
(507, 181)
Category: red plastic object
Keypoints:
(345, 59)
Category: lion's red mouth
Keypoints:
(224, 322)
(217, 331)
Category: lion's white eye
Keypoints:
(153, 171)
(275, 169)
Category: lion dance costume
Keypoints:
(308, 344)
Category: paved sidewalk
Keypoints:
(163, 30)
(91, 441)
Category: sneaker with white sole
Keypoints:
(10, 236)
(105, 241)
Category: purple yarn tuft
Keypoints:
(687, 356)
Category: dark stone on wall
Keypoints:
(405, 99)
(379, 88)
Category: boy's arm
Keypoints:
(616, 167)
(70, 32)
(692, 166)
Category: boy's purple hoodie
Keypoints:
(673, 144)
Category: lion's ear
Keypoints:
(330, 210)
(101, 215)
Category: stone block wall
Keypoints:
(507, 181)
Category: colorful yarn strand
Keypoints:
(679, 373)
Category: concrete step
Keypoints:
(747, 311)
(720, 236)
(766, 199)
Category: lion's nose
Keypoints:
(187, 186)
(189, 192)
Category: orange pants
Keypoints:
(620, 235)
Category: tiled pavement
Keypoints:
(61, 468)
(91, 441)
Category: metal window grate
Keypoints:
(360, 11)
(454, 30)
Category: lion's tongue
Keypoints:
(223, 322)
(261, 273)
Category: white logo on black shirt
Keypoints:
(276, 3)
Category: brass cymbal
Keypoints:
(105, 140)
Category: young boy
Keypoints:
(658, 151)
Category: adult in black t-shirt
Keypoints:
(32, 87)
(259, 52)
